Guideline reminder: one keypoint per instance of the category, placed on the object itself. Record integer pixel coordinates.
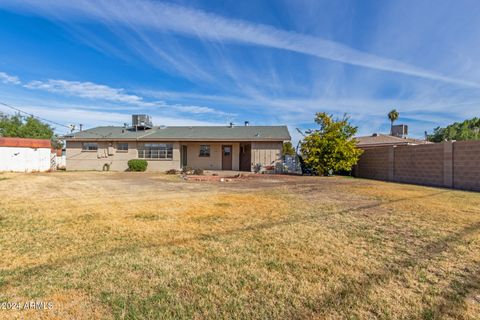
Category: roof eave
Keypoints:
(182, 139)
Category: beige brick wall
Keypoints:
(466, 165)
(373, 164)
(422, 164)
(447, 164)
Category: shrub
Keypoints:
(171, 171)
(137, 165)
(331, 148)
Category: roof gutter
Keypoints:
(143, 138)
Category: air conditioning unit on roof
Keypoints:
(141, 121)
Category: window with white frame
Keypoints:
(89, 146)
(204, 150)
(122, 146)
(156, 151)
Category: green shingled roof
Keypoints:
(196, 133)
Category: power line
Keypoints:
(46, 120)
(32, 115)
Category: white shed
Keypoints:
(24, 155)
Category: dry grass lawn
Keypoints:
(149, 246)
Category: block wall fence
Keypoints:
(447, 164)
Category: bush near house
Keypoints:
(331, 148)
(137, 165)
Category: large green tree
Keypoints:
(466, 130)
(288, 149)
(27, 127)
(331, 148)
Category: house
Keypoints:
(382, 140)
(164, 147)
(25, 155)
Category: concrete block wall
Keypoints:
(466, 165)
(373, 164)
(422, 164)
(447, 164)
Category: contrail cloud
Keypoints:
(163, 17)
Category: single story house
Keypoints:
(25, 155)
(164, 147)
(382, 140)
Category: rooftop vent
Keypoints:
(247, 123)
(375, 135)
(231, 125)
(141, 122)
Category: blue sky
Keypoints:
(269, 62)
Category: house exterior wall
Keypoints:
(266, 153)
(23, 159)
(77, 159)
(214, 162)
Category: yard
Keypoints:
(148, 246)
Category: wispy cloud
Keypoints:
(191, 22)
(93, 91)
(6, 78)
(200, 110)
(85, 114)
(87, 90)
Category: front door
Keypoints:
(226, 157)
(245, 157)
(184, 156)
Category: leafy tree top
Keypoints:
(288, 149)
(21, 127)
(466, 130)
(331, 148)
(27, 127)
(393, 115)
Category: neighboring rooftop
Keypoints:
(378, 140)
(24, 143)
(190, 133)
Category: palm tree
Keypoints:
(393, 116)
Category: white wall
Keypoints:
(20, 159)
